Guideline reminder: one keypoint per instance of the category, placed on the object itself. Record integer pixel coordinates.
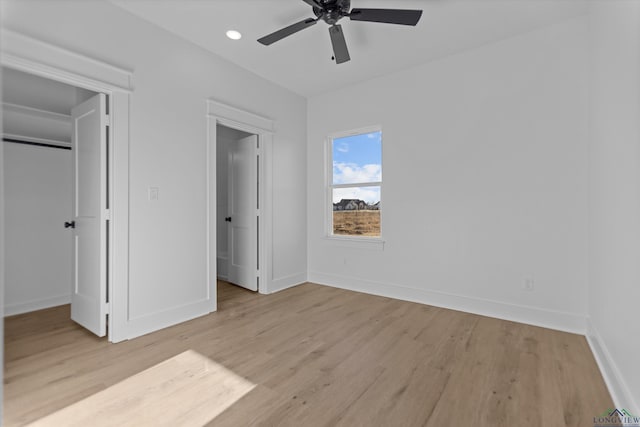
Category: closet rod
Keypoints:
(39, 144)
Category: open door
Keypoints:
(243, 213)
(89, 139)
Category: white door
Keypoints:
(243, 213)
(89, 138)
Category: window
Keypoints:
(355, 183)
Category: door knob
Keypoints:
(71, 224)
(228, 219)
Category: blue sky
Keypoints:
(357, 159)
(358, 150)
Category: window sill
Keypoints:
(371, 243)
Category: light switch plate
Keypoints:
(153, 193)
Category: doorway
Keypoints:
(221, 116)
(56, 200)
(39, 58)
(237, 207)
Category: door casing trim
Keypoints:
(235, 118)
(33, 56)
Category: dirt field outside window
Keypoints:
(356, 223)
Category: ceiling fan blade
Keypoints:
(287, 31)
(313, 3)
(340, 51)
(387, 16)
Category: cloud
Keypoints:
(351, 173)
(343, 147)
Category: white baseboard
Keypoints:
(152, 322)
(282, 283)
(25, 307)
(562, 321)
(616, 384)
(222, 266)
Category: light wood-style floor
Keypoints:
(315, 355)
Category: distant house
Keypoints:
(353, 205)
(347, 205)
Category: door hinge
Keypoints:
(106, 307)
(107, 119)
(107, 214)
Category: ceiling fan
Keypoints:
(331, 11)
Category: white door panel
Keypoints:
(243, 199)
(88, 300)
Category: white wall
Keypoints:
(38, 183)
(38, 108)
(172, 79)
(224, 137)
(614, 197)
(40, 93)
(484, 180)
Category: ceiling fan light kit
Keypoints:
(331, 11)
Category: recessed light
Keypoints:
(234, 35)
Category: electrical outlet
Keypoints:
(528, 285)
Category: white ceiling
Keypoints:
(302, 61)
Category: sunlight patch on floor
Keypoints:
(188, 389)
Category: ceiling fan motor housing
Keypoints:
(332, 10)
